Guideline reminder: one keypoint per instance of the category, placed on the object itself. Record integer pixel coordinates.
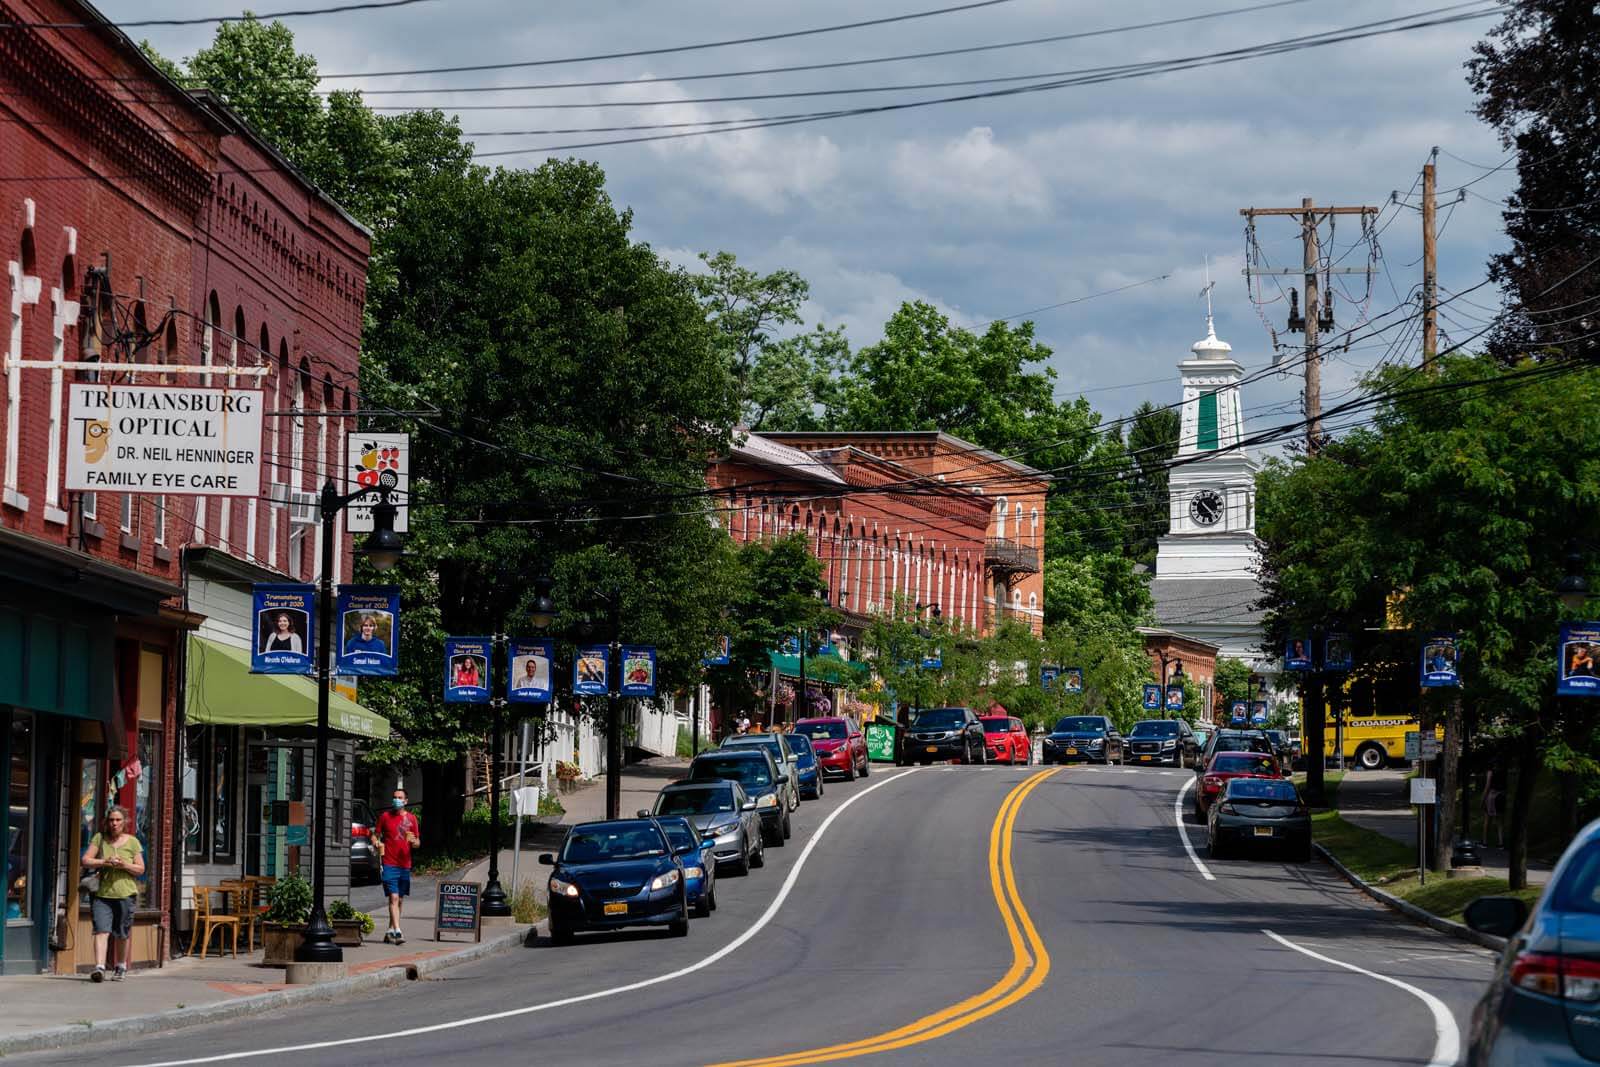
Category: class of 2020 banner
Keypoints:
(1238, 712)
(1439, 662)
(284, 616)
(1580, 650)
(591, 668)
(367, 629)
(529, 681)
(1152, 698)
(466, 669)
(638, 671)
(1072, 679)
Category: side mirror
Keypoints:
(749, 805)
(642, 813)
(686, 849)
(547, 859)
(1501, 916)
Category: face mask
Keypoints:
(399, 802)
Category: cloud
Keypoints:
(968, 172)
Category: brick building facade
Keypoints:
(139, 223)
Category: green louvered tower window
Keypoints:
(1206, 438)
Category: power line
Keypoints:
(1081, 299)
(204, 20)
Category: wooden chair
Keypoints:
(209, 916)
(243, 893)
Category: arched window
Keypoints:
(1000, 518)
(22, 273)
(1016, 598)
(64, 301)
(1033, 601)
(1033, 526)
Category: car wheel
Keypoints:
(866, 765)
(678, 928)
(1372, 758)
(788, 828)
(758, 858)
(702, 910)
(741, 866)
(560, 934)
(1214, 848)
(850, 771)
(820, 786)
(711, 897)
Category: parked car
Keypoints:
(753, 769)
(807, 767)
(1230, 740)
(1162, 741)
(1543, 1003)
(777, 745)
(944, 734)
(1282, 747)
(699, 865)
(724, 814)
(365, 866)
(1259, 813)
(1091, 738)
(1008, 739)
(839, 743)
(1226, 766)
(613, 874)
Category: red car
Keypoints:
(1226, 765)
(840, 746)
(1008, 740)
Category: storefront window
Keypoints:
(19, 842)
(224, 741)
(194, 768)
(91, 802)
(146, 811)
(208, 782)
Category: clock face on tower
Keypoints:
(1205, 507)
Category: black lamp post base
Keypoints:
(316, 944)
(494, 904)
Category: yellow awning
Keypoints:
(222, 690)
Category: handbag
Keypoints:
(89, 881)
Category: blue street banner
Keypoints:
(1336, 654)
(823, 646)
(1174, 698)
(934, 660)
(1439, 662)
(528, 681)
(591, 671)
(1152, 698)
(723, 654)
(1238, 712)
(1297, 654)
(1260, 711)
(1580, 648)
(1047, 677)
(283, 615)
(367, 629)
(1072, 677)
(638, 671)
(466, 669)
(791, 646)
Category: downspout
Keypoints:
(179, 741)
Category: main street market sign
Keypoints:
(164, 439)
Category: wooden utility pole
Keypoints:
(1430, 272)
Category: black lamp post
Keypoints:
(1573, 588)
(383, 549)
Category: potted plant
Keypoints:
(288, 908)
(349, 925)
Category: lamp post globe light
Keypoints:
(384, 548)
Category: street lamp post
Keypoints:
(494, 903)
(383, 549)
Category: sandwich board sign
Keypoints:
(459, 910)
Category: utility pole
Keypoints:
(1430, 271)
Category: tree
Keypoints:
(1095, 591)
(793, 380)
(1152, 442)
(1537, 77)
(776, 596)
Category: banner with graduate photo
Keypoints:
(638, 671)
(1047, 677)
(1580, 660)
(591, 670)
(723, 654)
(1152, 698)
(1439, 662)
(466, 669)
(1072, 679)
(367, 630)
(1260, 711)
(1174, 698)
(1238, 712)
(1336, 655)
(1297, 654)
(284, 615)
(528, 681)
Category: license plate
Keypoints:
(1263, 831)
(620, 908)
(933, 748)
(1144, 759)
(1072, 752)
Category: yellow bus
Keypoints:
(1378, 710)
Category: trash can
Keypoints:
(880, 741)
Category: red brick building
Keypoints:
(138, 224)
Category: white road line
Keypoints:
(726, 950)
(1183, 831)
(1446, 1034)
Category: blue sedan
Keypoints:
(699, 862)
(808, 769)
(613, 874)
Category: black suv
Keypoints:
(1170, 741)
(1091, 738)
(943, 734)
(764, 784)
(1226, 740)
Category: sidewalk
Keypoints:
(1377, 801)
(48, 1011)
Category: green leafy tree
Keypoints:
(1152, 442)
(1231, 680)
(775, 595)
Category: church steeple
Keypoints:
(1212, 419)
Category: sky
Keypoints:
(994, 207)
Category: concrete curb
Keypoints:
(1411, 911)
(139, 1025)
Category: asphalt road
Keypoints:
(943, 915)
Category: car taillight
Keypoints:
(357, 830)
(1212, 785)
(1557, 976)
(1227, 808)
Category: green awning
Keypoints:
(222, 690)
(828, 668)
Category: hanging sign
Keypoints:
(466, 669)
(1439, 661)
(283, 617)
(1152, 698)
(1336, 653)
(1238, 713)
(529, 681)
(458, 909)
(1259, 711)
(934, 660)
(1297, 654)
(369, 457)
(1174, 698)
(177, 440)
(638, 671)
(723, 654)
(367, 630)
(1047, 677)
(590, 669)
(1580, 647)
(1073, 677)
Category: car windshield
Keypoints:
(1232, 742)
(1243, 763)
(1278, 737)
(1262, 789)
(599, 844)
(757, 741)
(822, 731)
(745, 771)
(679, 834)
(1082, 724)
(800, 743)
(705, 801)
(941, 719)
(1155, 728)
(996, 726)
(1579, 889)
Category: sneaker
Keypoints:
(97, 975)
(399, 937)
(119, 974)
(388, 937)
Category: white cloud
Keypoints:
(972, 171)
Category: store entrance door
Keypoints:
(21, 842)
(278, 808)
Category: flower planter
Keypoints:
(346, 932)
(279, 940)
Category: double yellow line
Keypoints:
(1030, 963)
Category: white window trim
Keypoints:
(24, 292)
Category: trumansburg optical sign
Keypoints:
(164, 439)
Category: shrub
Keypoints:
(289, 901)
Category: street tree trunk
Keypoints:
(1521, 802)
(1449, 782)
(1313, 728)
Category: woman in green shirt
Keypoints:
(119, 858)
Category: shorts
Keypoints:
(396, 880)
(112, 916)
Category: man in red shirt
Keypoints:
(398, 833)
